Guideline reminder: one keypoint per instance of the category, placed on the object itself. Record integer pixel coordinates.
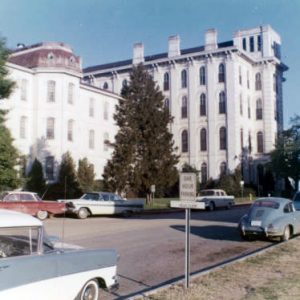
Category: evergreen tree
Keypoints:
(9, 155)
(143, 149)
(86, 175)
(68, 185)
(35, 178)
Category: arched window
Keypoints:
(184, 141)
(259, 109)
(51, 91)
(105, 86)
(166, 81)
(167, 104)
(223, 168)
(184, 107)
(203, 141)
(240, 75)
(221, 73)
(105, 141)
(260, 142)
(70, 130)
(223, 138)
(203, 172)
(249, 143)
(50, 128)
(222, 103)
(202, 76)
(258, 81)
(248, 80)
(242, 139)
(202, 105)
(183, 79)
(71, 93)
(249, 108)
(241, 104)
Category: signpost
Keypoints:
(187, 193)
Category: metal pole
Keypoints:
(187, 246)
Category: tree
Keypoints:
(285, 158)
(9, 155)
(86, 175)
(143, 150)
(35, 178)
(67, 180)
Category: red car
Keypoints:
(30, 203)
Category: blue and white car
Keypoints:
(32, 268)
(272, 218)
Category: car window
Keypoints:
(288, 208)
(206, 193)
(266, 203)
(297, 197)
(18, 241)
(105, 196)
(90, 196)
(26, 197)
(11, 197)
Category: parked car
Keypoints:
(31, 267)
(214, 198)
(30, 203)
(102, 203)
(270, 217)
(296, 200)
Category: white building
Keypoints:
(226, 98)
(51, 110)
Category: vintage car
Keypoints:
(102, 203)
(272, 218)
(31, 267)
(30, 203)
(214, 198)
(296, 200)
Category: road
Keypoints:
(151, 246)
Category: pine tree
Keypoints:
(35, 178)
(9, 155)
(143, 153)
(86, 175)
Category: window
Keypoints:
(251, 44)
(203, 172)
(124, 83)
(260, 142)
(202, 76)
(240, 75)
(242, 139)
(24, 87)
(257, 81)
(249, 143)
(49, 167)
(23, 127)
(222, 103)
(223, 139)
(184, 107)
(241, 104)
(203, 141)
(51, 91)
(183, 79)
(223, 168)
(71, 93)
(167, 104)
(105, 86)
(91, 107)
(184, 141)
(105, 141)
(249, 108)
(258, 43)
(166, 81)
(106, 109)
(244, 44)
(91, 139)
(248, 80)
(202, 105)
(259, 109)
(50, 128)
(70, 130)
(221, 73)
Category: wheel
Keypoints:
(90, 291)
(42, 214)
(286, 234)
(83, 213)
(245, 237)
(211, 206)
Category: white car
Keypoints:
(32, 268)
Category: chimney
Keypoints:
(174, 46)
(138, 53)
(211, 42)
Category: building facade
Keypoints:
(51, 111)
(226, 98)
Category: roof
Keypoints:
(9, 218)
(277, 199)
(150, 58)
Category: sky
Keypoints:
(103, 31)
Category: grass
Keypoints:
(272, 275)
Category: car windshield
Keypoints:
(266, 203)
(90, 196)
(206, 193)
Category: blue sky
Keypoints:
(102, 31)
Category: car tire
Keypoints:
(211, 206)
(83, 213)
(42, 215)
(286, 234)
(90, 291)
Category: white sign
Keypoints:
(187, 187)
(188, 204)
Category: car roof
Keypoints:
(277, 199)
(9, 218)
